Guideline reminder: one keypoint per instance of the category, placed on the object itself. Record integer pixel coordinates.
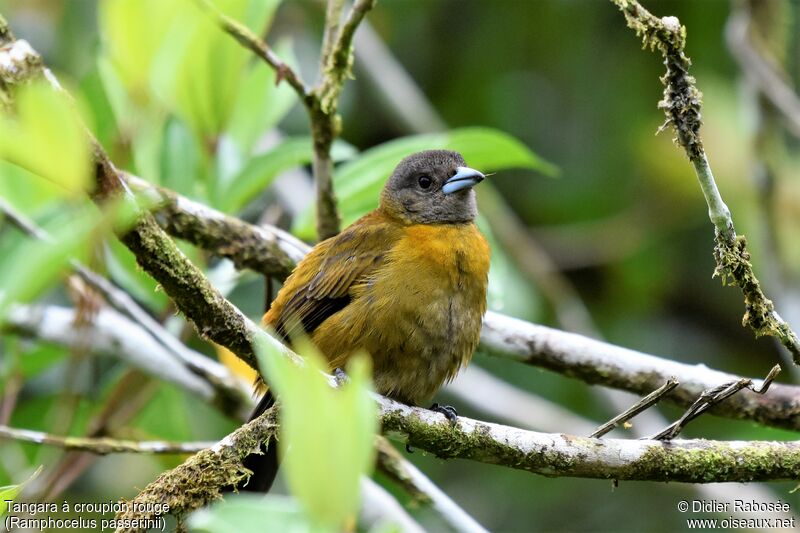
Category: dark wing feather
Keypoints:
(347, 258)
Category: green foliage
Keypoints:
(358, 182)
(260, 170)
(246, 513)
(327, 434)
(45, 138)
(192, 100)
(29, 266)
(10, 492)
(262, 102)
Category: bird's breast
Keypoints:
(430, 297)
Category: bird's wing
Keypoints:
(321, 284)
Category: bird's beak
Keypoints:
(464, 178)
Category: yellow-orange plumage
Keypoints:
(406, 283)
(416, 292)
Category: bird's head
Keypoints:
(432, 187)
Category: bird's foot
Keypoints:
(448, 411)
(340, 376)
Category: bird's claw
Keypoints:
(448, 411)
(340, 376)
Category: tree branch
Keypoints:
(601, 363)
(111, 334)
(692, 461)
(268, 251)
(206, 473)
(591, 361)
(101, 446)
(681, 104)
(642, 405)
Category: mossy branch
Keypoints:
(202, 477)
(682, 105)
(247, 246)
(577, 356)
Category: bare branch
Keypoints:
(102, 446)
(714, 397)
(597, 362)
(643, 404)
(112, 334)
(269, 251)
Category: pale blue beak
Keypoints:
(464, 178)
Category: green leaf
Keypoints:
(247, 513)
(46, 138)
(358, 183)
(327, 434)
(259, 172)
(98, 103)
(199, 69)
(10, 492)
(29, 267)
(35, 196)
(180, 159)
(261, 104)
(133, 33)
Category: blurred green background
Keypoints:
(624, 222)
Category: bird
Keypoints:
(405, 283)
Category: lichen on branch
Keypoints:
(682, 106)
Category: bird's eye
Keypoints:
(425, 181)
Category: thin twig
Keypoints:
(322, 102)
(229, 393)
(681, 104)
(643, 404)
(22, 222)
(101, 446)
(252, 42)
(422, 489)
(336, 67)
(712, 397)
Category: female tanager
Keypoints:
(405, 283)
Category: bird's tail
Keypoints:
(264, 465)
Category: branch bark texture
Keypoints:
(681, 104)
